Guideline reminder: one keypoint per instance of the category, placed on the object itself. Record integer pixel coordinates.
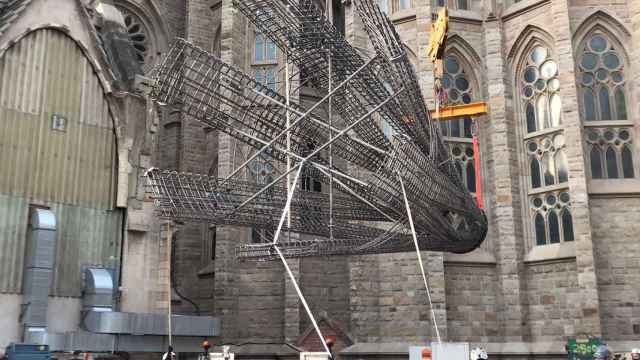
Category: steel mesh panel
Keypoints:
(367, 194)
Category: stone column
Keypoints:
(435, 275)
(587, 282)
(434, 262)
(364, 298)
(200, 31)
(226, 289)
(634, 55)
(292, 305)
(354, 29)
(502, 163)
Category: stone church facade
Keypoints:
(560, 171)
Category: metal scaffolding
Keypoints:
(371, 176)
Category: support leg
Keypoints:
(302, 299)
(286, 265)
(415, 241)
(287, 205)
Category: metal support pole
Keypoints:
(355, 194)
(288, 124)
(287, 205)
(323, 124)
(302, 299)
(330, 150)
(300, 158)
(316, 151)
(169, 236)
(415, 241)
(288, 129)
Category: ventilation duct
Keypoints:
(98, 290)
(39, 261)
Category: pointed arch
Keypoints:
(411, 55)
(149, 14)
(470, 60)
(458, 42)
(613, 30)
(601, 20)
(531, 35)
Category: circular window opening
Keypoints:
(137, 34)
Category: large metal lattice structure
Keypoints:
(375, 181)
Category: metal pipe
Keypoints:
(302, 299)
(264, 189)
(330, 152)
(288, 129)
(169, 285)
(287, 205)
(415, 241)
(288, 124)
(321, 123)
(352, 192)
(364, 117)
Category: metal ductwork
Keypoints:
(104, 329)
(39, 262)
(97, 293)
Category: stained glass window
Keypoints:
(601, 70)
(539, 87)
(265, 61)
(544, 144)
(458, 90)
(610, 152)
(552, 220)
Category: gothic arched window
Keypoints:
(540, 90)
(458, 89)
(265, 61)
(138, 34)
(603, 93)
(552, 220)
(601, 76)
(544, 144)
(610, 152)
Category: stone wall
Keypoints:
(380, 298)
(471, 303)
(615, 233)
(260, 307)
(325, 284)
(553, 297)
(364, 298)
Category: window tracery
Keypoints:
(610, 152)
(458, 132)
(264, 61)
(551, 217)
(603, 94)
(137, 34)
(544, 145)
(602, 80)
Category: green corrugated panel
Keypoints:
(44, 74)
(84, 236)
(13, 230)
(72, 171)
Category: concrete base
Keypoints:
(502, 351)
(9, 325)
(63, 315)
